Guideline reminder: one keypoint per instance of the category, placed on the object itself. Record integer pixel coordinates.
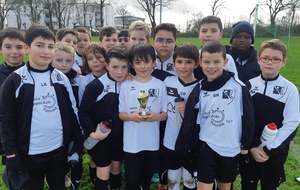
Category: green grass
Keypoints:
(291, 71)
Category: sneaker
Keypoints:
(162, 188)
(155, 178)
(297, 179)
(67, 181)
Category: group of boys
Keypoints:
(228, 99)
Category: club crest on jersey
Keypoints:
(152, 92)
(132, 88)
(170, 67)
(278, 90)
(227, 94)
(59, 77)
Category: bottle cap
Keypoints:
(106, 124)
(272, 126)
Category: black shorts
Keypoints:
(270, 173)
(174, 161)
(102, 156)
(212, 166)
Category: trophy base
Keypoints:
(143, 114)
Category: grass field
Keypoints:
(291, 71)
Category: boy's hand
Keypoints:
(129, 77)
(156, 116)
(259, 154)
(14, 164)
(152, 117)
(98, 134)
(136, 117)
(181, 107)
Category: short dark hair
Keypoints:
(93, 47)
(213, 47)
(186, 50)
(61, 33)
(123, 33)
(38, 30)
(11, 33)
(165, 26)
(106, 31)
(83, 29)
(211, 19)
(141, 51)
(118, 52)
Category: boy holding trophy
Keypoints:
(141, 130)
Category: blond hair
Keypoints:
(139, 25)
(63, 46)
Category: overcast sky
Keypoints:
(183, 10)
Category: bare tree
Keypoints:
(49, 7)
(275, 7)
(35, 9)
(17, 10)
(149, 7)
(5, 7)
(216, 7)
(60, 9)
(195, 22)
(290, 20)
(124, 13)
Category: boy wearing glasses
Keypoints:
(276, 100)
(164, 41)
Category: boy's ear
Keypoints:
(106, 65)
(284, 62)
(221, 34)
(225, 61)
(197, 63)
(0, 51)
(27, 49)
(200, 63)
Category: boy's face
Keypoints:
(242, 41)
(185, 67)
(143, 68)
(63, 61)
(123, 41)
(70, 39)
(212, 65)
(13, 51)
(209, 32)
(164, 44)
(41, 52)
(110, 41)
(83, 41)
(95, 61)
(117, 69)
(137, 36)
(269, 69)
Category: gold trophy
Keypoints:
(143, 100)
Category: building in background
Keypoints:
(78, 14)
(123, 22)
